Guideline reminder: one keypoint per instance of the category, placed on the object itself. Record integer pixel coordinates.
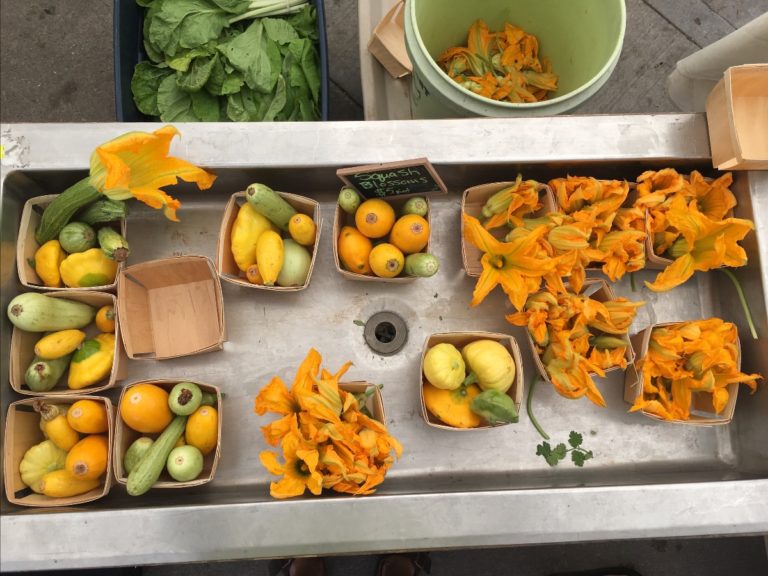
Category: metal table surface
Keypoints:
(724, 494)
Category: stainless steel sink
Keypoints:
(480, 488)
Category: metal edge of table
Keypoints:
(386, 522)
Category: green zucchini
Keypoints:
(149, 468)
(136, 452)
(349, 200)
(421, 264)
(113, 244)
(416, 205)
(59, 212)
(42, 375)
(102, 211)
(208, 399)
(185, 398)
(35, 312)
(77, 237)
(270, 205)
(185, 463)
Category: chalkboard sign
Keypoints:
(405, 178)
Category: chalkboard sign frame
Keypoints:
(348, 176)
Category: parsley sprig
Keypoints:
(579, 455)
(553, 455)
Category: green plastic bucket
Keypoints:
(582, 39)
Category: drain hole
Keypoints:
(385, 332)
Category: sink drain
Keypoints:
(385, 333)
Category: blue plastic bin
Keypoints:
(128, 23)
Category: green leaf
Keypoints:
(575, 439)
(311, 67)
(222, 83)
(182, 60)
(278, 101)
(144, 86)
(358, 322)
(185, 24)
(205, 106)
(305, 22)
(196, 77)
(236, 108)
(174, 104)
(579, 457)
(248, 54)
(278, 30)
(233, 6)
(145, 3)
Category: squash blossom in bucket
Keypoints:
(134, 165)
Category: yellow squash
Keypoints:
(61, 484)
(269, 256)
(202, 429)
(246, 230)
(92, 362)
(48, 259)
(491, 363)
(88, 417)
(89, 268)
(453, 407)
(444, 367)
(54, 425)
(59, 344)
(302, 229)
(87, 460)
(105, 318)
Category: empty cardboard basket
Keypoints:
(737, 118)
(22, 431)
(171, 307)
(461, 339)
(27, 246)
(226, 267)
(472, 203)
(125, 436)
(342, 219)
(23, 350)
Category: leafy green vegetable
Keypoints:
(144, 86)
(207, 66)
(554, 455)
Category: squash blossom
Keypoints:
(518, 265)
(685, 363)
(137, 165)
(327, 439)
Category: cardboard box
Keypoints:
(125, 436)
(23, 349)
(461, 339)
(599, 290)
(737, 118)
(701, 403)
(225, 262)
(22, 431)
(472, 203)
(342, 219)
(171, 307)
(387, 43)
(374, 403)
(27, 246)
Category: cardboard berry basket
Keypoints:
(701, 403)
(22, 431)
(226, 267)
(125, 436)
(461, 339)
(342, 218)
(599, 290)
(27, 246)
(23, 349)
(374, 403)
(472, 202)
(170, 308)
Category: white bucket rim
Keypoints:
(610, 62)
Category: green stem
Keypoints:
(742, 299)
(59, 212)
(632, 281)
(529, 409)
(469, 380)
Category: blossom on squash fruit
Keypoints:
(326, 437)
(137, 165)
